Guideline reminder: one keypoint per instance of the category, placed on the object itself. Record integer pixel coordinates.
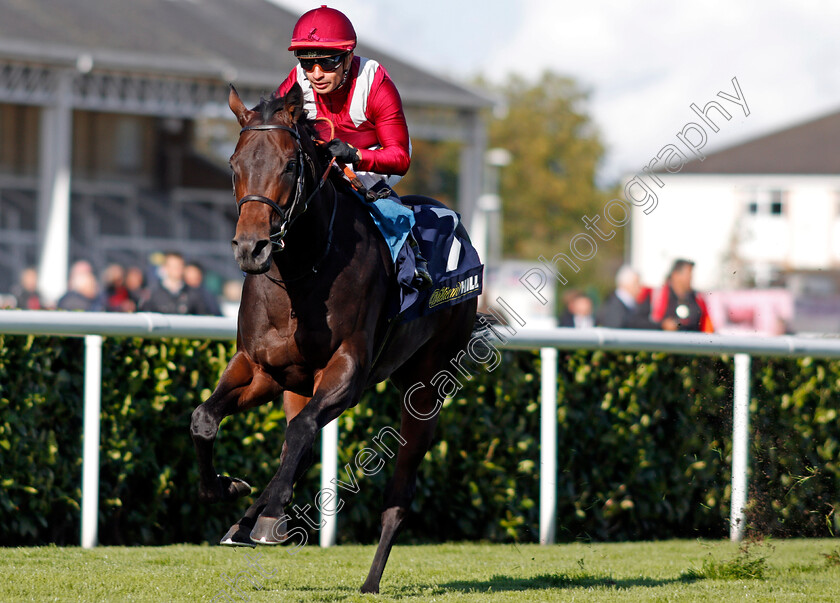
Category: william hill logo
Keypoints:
(462, 288)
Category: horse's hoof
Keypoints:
(369, 589)
(224, 489)
(233, 487)
(237, 536)
(269, 530)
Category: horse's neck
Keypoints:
(308, 237)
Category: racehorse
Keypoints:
(314, 322)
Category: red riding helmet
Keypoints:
(323, 28)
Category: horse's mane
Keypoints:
(267, 107)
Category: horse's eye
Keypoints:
(291, 168)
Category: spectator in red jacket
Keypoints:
(115, 294)
(676, 300)
(26, 291)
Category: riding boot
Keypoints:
(422, 278)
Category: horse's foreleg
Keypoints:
(239, 388)
(239, 533)
(292, 405)
(417, 434)
(338, 385)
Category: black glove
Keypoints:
(343, 151)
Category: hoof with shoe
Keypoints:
(269, 530)
(237, 535)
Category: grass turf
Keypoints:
(785, 570)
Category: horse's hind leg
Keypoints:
(417, 434)
(240, 387)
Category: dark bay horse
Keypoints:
(313, 320)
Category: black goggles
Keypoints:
(327, 64)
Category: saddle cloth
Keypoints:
(456, 270)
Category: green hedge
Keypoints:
(644, 448)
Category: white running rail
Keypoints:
(95, 325)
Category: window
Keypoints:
(128, 142)
(776, 203)
(766, 202)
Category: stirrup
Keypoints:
(422, 279)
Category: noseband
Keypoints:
(288, 216)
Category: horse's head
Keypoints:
(268, 176)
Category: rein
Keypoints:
(317, 264)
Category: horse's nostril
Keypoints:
(234, 243)
(259, 246)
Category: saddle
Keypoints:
(456, 270)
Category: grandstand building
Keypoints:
(115, 130)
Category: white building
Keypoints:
(764, 213)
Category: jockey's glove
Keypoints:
(343, 152)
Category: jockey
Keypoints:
(360, 99)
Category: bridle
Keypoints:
(288, 216)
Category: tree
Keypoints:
(549, 186)
(433, 172)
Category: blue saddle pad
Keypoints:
(456, 270)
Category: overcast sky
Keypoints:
(643, 62)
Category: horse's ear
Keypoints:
(294, 102)
(237, 106)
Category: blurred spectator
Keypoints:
(578, 312)
(231, 298)
(135, 284)
(26, 291)
(621, 310)
(172, 295)
(82, 293)
(115, 296)
(194, 277)
(676, 300)
(7, 301)
(781, 327)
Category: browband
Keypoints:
(292, 131)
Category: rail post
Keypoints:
(329, 476)
(90, 449)
(740, 447)
(548, 444)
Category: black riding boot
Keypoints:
(422, 278)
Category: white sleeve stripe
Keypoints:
(364, 81)
(308, 95)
